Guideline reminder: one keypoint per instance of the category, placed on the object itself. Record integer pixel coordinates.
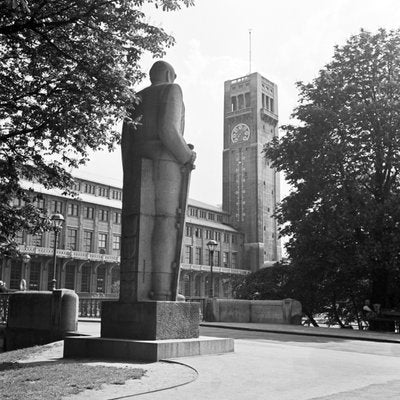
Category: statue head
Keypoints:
(162, 72)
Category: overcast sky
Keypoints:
(291, 41)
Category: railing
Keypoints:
(207, 268)
(91, 307)
(78, 255)
(4, 300)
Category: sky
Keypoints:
(290, 41)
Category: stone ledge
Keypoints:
(144, 350)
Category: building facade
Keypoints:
(250, 186)
(89, 245)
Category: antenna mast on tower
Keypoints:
(249, 51)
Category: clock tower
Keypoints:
(250, 186)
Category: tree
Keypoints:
(67, 72)
(342, 160)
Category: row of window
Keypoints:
(72, 240)
(87, 243)
(198, 213)
(229, 260)
(267, 102)
(201, 233)
(96, 190)
(240, 101)
(56, 207)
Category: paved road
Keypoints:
(291, 367)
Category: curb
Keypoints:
(305, 333)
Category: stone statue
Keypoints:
(156, 164)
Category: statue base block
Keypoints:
(142, 350)
(150, 320)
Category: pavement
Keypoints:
(277, 362)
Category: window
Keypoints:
(76, 186)
(103, 192)
(208, 234)
(103, 215)
(70, 276)
(271, 105)
(198, 255)
(233, 103)
(219, 218)
(234, 239)
(188, 254)
(247, 100)
(240, 101)
(88, 212)
(116, 194)
(193, 212)
(211, 216)
(217, 236)
(117, 218)
(34, 275)
(116, 242)
(37, 240)
(90, 189)
(189, 230)
(56, 206)
(217, 258)
(225, 259)
(72, 236)
(102, 241)
(226, 237)
(198, 233)
(73, 210)
(39, 203)
(203, 214)
(208, 257)
(51, 239)
(19, 237)
(85, 284)
(234, 260)
(101, 279)
(16, 274)
(88, 241)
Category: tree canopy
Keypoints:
(67, 74)
(342, 160)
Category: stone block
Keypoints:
(37, 318)
(141, 350)
(286, 311)
(150, 320)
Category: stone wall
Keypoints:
(287, 311)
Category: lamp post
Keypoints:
(212, 245)
(26, 258)
(57, 221)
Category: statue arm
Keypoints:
(171, 126)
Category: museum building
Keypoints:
(247, 236)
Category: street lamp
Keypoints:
(26, 258)
(212, 245)
(57, 221)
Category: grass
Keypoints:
(55, 379)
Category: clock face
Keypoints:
(240, 133)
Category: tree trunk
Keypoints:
(311, 318)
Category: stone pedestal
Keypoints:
(150, 320)
(147, 331)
